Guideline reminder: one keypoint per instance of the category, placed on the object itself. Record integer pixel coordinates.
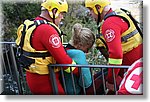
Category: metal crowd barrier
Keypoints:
(14, 81)
(102, 75)
(12, 78)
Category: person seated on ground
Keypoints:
(81, 41)
(132, 83)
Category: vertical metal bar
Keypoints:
(114, 79)
(103, 78)
(3, 63)
(93, 81)
(10, 67)
(23, 81)
(63, 80)
(6, 70)
(125, 70)
(73, 83)
(8, 62)
(1, 73)
(53, 80)
(16, 72)
(83, 84)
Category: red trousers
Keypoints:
(41, 84)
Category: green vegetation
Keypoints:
(15, 13)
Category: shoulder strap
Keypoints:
(23, 32)
(36, 22)
(116, 14)
(57, 29)
(19, 48)
(134, 21)
(110, 14)
(23, 36)
(131, 17)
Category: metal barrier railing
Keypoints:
(102, 67)
(11, 82)
(15, 81)
(13, 77)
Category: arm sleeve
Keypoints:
(112, 34)
(51, 41)
(79, 57)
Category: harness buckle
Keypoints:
(124, 39)
(98, 36)
(18, 52)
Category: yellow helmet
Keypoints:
(92, 3)
(60, 5)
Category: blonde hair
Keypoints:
(82, 36)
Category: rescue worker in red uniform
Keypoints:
(118, 34)
(42, 46)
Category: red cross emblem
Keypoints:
(137, 80)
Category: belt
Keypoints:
(36, 54)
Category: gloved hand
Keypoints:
(104, 52)
(99, 42)
(101, 45)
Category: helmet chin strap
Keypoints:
(98, 25)
(53, 18)
(52, 15)
(98, 21)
